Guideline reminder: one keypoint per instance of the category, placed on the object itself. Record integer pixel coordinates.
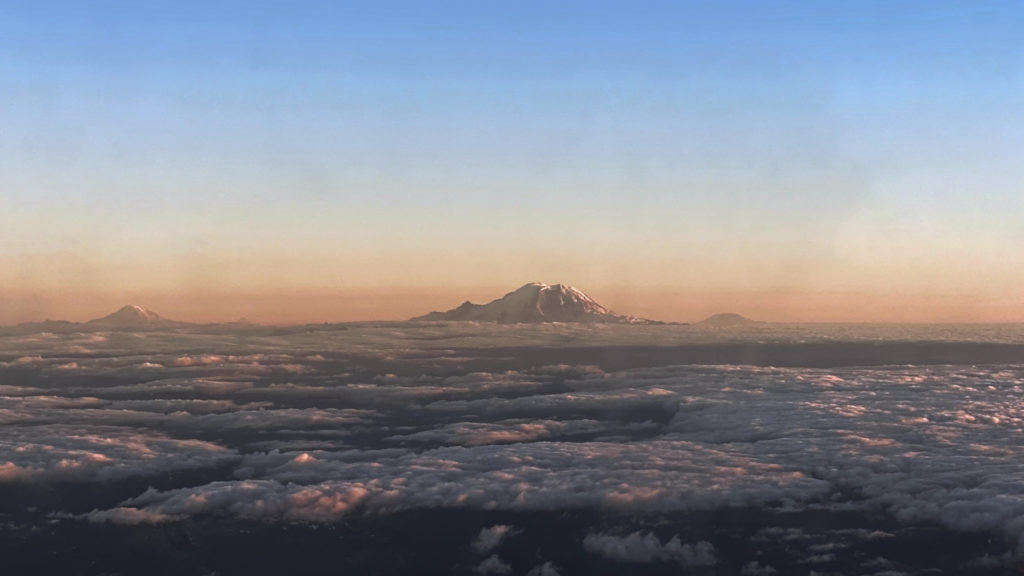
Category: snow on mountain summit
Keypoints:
(536, 302)
(131, 315)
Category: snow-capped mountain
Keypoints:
(536, 302)
(132, 316)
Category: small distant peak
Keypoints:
(726, 319)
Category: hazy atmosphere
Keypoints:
(833, 161)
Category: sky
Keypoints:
(331, 161)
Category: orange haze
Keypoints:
(357, 304)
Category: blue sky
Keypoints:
(762, 147)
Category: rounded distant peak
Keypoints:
(726, 319)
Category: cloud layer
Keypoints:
(398, 422)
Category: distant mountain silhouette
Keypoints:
(726, 320)
(536, 302)
(132, 317)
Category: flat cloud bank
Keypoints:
(469, 449)
(789, 355)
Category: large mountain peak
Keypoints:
(535, 302)
(131, 315)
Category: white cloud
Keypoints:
(545, 569)
(754, 568)
(646, 547)
(490, 538)
(549, 405)
(511, 431)
(99, 453)
(492, 565)
(652, 475)
(256, 499)
(129, 516)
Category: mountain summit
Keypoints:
(536, 302)
(131, 317)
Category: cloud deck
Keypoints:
(717, 469)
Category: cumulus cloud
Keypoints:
(510, 431)
(190, 387)
(654, 475)
(189, 415)
(545, 569)
(492, 565)
(754, 568)
(646, 547)
(819, 559)
(84, 453)
(188, 405)
(562, 404)
(490, 538)
(10, 390)
(131, 516)
(257, 499)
